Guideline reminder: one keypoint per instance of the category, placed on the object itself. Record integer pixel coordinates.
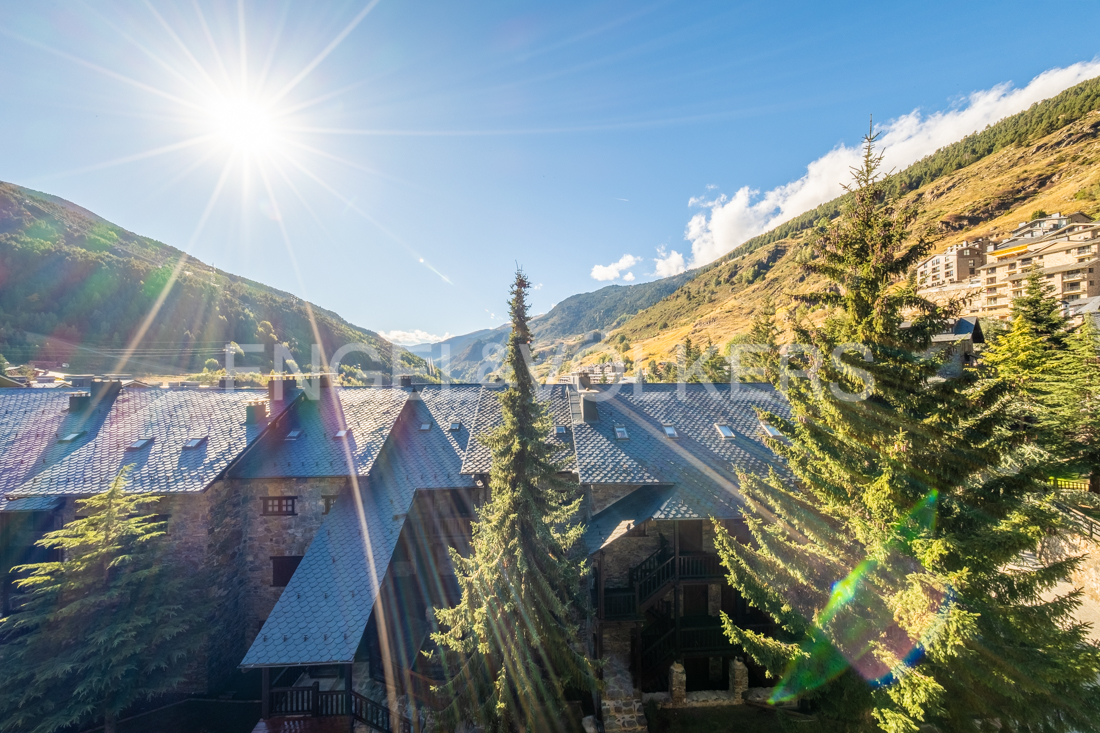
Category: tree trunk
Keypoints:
(110, 722)
(1094, 480)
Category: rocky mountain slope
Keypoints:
(77, 288)
(1046, 158)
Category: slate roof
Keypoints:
(323, 612)
(638, 506)
(45, 466)
(367, 412)
(700, 465)
(478, 457)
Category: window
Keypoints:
(725, 431)
(139, 444)
(282, 568)
(671, 431)
(559, 430)
(620, 433)
(279, 505)
(70, 437)
(970, 263)
(425, 426)
(455, 427)
(328, 502)
(773, 433)
(340, 435)
(193, 443)
(293, 434)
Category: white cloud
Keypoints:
(411, 338)
(727, 221)
(612, 271)
(668, 263)
(628, 277)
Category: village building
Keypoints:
(325, 516)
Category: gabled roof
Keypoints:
(323, 612)
(368, 414)
(30, 420)
(554, 396)
(104, 435)
(616, 520)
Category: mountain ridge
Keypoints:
(75, 287)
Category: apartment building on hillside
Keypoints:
(1066, 256)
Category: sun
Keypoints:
(244, 124)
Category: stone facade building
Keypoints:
(325, 518)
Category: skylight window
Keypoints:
(620, 433)
(193, 443)
(294, 434)
(455, 427)
(70, 437)
(725, 431)
(671, 431)
(342, 434)
(772, 432)
(425, 426)
(139, 444)
(559, 430)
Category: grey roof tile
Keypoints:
(88, 464)
(323, 612)
(368, 414)
(555, 397)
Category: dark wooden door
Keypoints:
(691, 535)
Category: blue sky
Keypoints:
(392, 161)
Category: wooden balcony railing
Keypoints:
(312, 701)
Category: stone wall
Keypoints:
(601, 496)
(1087, 575)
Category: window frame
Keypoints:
(621, 433)
(140, 444)
(199, 442)
(722, 428)
(268, 506)
(671, 432)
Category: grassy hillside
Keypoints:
(1047, 157)
(76, 288)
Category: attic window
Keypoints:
(425, 426)
(340, 435)
(671, 431)
(620, 433)
(772, 432)
(139, 444)
(559, 430)
(725, 431)
(70, 437)
(455, 427)
(193, 443)
(293, 435)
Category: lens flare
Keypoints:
(243, 124)
(879, 617)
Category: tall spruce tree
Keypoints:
(1073, 403)
(512, 646)
(894, 554)
(113, 623)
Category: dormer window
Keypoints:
(425, 427)
(559, 430)
(671, 431)
(294, 434)
(139, 444)
(620, 433)
(193, 443)
(725, 431)
(455, 427)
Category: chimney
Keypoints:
(279, 387)
(255, 411)
(326, 380)
(406, 380)
(102, 389)
(79, 402)
(589, 413)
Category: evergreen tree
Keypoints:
(764, 332)
(894, 554)
(512, 646)
(114, 623)
(1041, 312)
(1073, 401)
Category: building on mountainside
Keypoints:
(326, 516)
(1061, 246)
